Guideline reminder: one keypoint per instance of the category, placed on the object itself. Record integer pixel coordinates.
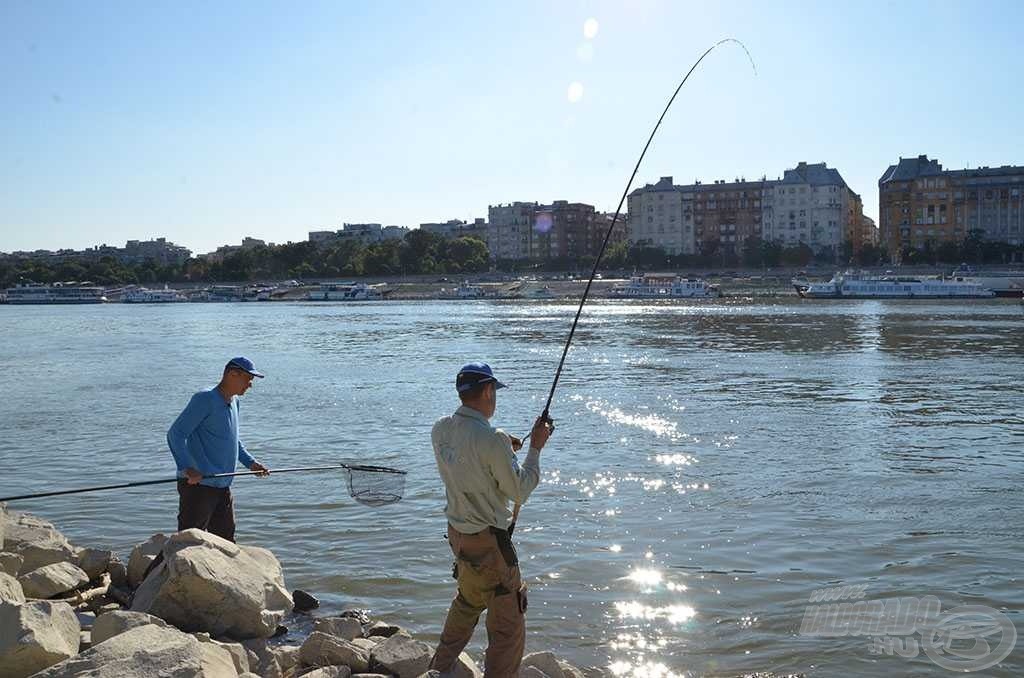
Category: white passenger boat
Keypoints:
(1003, 283)
(142, 295)
(663, 286)
(57, 293)
(859, 286)
(347, 291)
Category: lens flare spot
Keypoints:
(575, 92)
(590, 28)
(542, 223)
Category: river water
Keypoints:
(715, 462)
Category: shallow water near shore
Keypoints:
(715, 462)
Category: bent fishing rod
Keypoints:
(546, 415)
(374, 485)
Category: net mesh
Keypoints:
(375, 485)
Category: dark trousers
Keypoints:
(208, 508)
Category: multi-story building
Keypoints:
(726, 214)
(565, 230)
(510, 230)
(920, 203)
(394, 232)
(456, 228)
(661, 215)
(812, 205)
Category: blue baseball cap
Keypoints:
(475, 374)
(245, 365)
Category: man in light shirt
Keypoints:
(482, 477)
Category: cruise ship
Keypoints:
(858, 286)
(663, 286)
(142, 295)
(57, 293)
(347, 292)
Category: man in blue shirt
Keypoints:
(204, 441)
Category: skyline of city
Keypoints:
(272, 124)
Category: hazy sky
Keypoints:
(207, 122)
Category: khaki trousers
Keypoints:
(488, 581)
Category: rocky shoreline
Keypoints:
(210, 609)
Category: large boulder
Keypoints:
(94, 562)
(147, 651)
(10, 590)
(116, 622)
(142, 555)
(401, 656)
(320, 649)
(52, 580)
(10, 563)
(37, 541)
(206, 583)
(35, 635)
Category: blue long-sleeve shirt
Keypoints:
(205, 437)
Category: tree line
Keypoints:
(422, 252)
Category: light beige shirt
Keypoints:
(480, 472)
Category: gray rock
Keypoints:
(531, 672)
(287, 656)
(465, 667)
(239, 655)
(118, 573)
(84, 641)
(569, 671)
(206, 583)
(142, 555)
(404, 657)
(361, 615)
(382, 629)
(110, 624)
(321, 649)
(52, 580)
(367, 643)
(37, 541)
(10, 590)
(10, 563)
(546, 662)
(329, 672)
(147, 651)
(94, 562)
(36, 635)
(597, 672)
(341, 627)
(262, 659)
(372, 675)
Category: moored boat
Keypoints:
(347, 291)
(663, 286)
(142, 295)
(851, 285)
(57, 293)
